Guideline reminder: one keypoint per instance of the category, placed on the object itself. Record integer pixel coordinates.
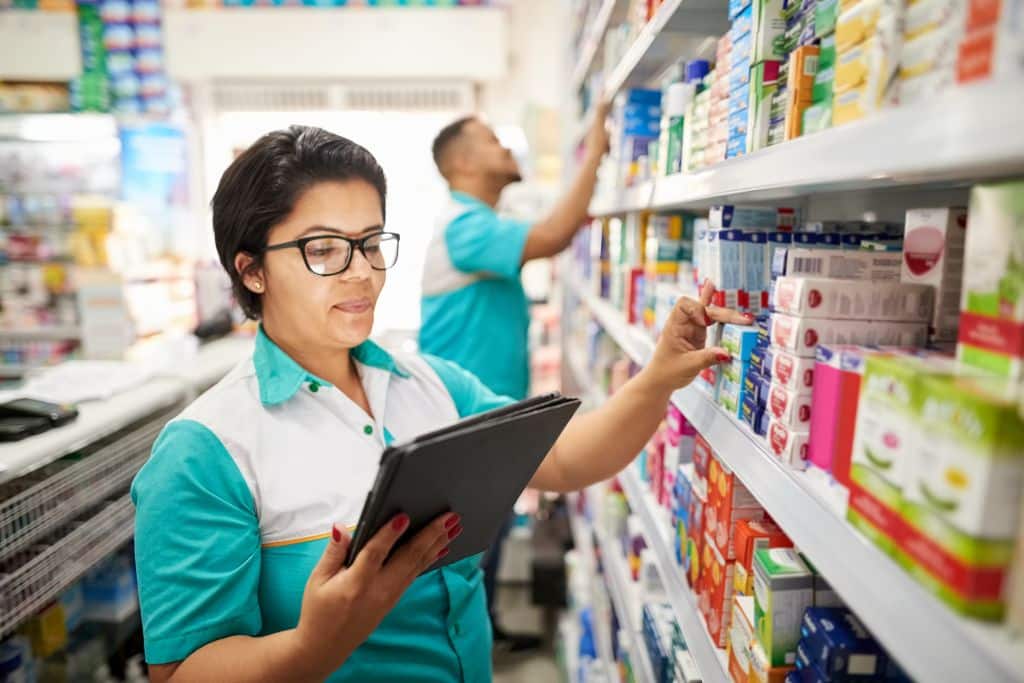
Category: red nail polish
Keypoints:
(455, 532)
(749, 317)
(336, 533)
(444, 551)
(707, 319)
(452, 521)
(723, 358)
(400, 522)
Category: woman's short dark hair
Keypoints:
(259, 189)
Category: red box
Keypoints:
(716, 599)
(729, 501)
(702, 456)
(751, 535)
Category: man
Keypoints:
(474, 307)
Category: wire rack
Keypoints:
(35, 576)
(34, 505)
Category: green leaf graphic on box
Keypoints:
(876, 461)
(947, 506)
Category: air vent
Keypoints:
(418, 96)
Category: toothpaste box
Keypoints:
(835, 642)
(821, 298)
(843, 265)
(792, 408)
(791, 371)
(992, 303)
(964, 491)
(787, 443)
(783, 590)
(933, 255)
(739, 341)
(752, 535)
(802, 335)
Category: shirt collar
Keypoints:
(468, 199)
(279, 376)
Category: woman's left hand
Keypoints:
(680, 354)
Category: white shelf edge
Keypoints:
(709, 658)
(617, 575)
(591, 44)
(928, 639)
(55, 333)
(967, 133)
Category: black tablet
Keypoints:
(477, 468)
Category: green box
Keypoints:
(827, 53)
(825, 16)
(783, 590)
(817, 117)
(823, 82)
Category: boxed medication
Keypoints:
(716, 597)
(822, 298)
(836, 643)
(964, 491)
(792, 408)
(739, 341)
(933, 254)
(867, 19)
(926, 86)
(788, 444)
(992, 304)
(993, 45)
(928, 16)
(729, 217)
(741, 635)
(790, 371)
(825, 14)
(761, 670)
(764, 81)
(752, 535)
(838, 371)
(802, 335)
(844, 264)
(783, 590)
(930, 52)
(729, 501)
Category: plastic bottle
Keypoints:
(680, 95)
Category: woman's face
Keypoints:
(312, 310)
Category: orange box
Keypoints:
(751, 535)
(718, 580)
(729, 501)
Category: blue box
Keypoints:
(761, 428)
(739, 99)
(750, 412)
(738, 125)
(737, 6)
(739, 74)
(641, 111)
(728, 216)
(641, 127)
(736, 147)
(739, 340)
(759, 358)
(742, 24)
(641, 96)
(742, 48)
(836, 643)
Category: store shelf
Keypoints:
(964, 135)
(39, 46)
(62, 333)
(328, 43)
(595, 35)
(927, 638)
(58, 128)
(96, 420)
(710, 660)
(636, 342)
(583, 539)
(588, 392)
(617, 577)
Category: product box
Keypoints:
(750, 412)
(844, 264)
(717, 596)
(992, 305)
(1015, 589)
(752, 535)
(835, 642)
(729, 501)
(761, 670)
(802, 335)
(783, 590)
(964, 491)
(761, 359)
(739, 341)
(790, 371)
(741, 636)
(926, 86)
(932, 51)
(870, 19)
(788, 444)
(764, 78)
(933, 255)
(729, 396)
(791, 408)
(742, 24)
(821, 298)
(731, 217)
(993, 45)
(825, 14)
(838, 371)
(934, 16)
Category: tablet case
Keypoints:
(477, 468)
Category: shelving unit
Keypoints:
(54, 333)
(583, 539)
(591, 42)
(928, 639)
(39, 46)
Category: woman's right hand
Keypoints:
(342, 605)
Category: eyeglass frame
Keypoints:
(353, 244)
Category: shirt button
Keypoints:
(314, 387)
(368, 430)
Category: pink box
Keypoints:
(836, 392)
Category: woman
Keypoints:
(244, 506)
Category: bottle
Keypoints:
(680, 95)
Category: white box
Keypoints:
(791, 407)
(788, 444)
(844, 265)
(802, 335)
(792, 371)
(820, 298)
(933, 255)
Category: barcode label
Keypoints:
(809, 266)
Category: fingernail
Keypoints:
(336, 533)
(454, 532)
(444, 551)
(452, 521)
(749, 317)
(723, 358)
(707, 319)
(400, 522)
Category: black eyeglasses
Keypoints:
(332, 254)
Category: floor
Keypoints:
(518, 615)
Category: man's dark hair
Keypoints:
(259, 189)
(444, 140)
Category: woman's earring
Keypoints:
(257, 286)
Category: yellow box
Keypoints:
(925, 16)
(929, 51)
(867, 18)
(853, 105)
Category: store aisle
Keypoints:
(520, 616)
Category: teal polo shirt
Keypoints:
(235, 505)
(474, 310)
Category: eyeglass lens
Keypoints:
(331, 255)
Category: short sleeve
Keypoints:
(197, 545)
(479, 241)
(468, 392)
